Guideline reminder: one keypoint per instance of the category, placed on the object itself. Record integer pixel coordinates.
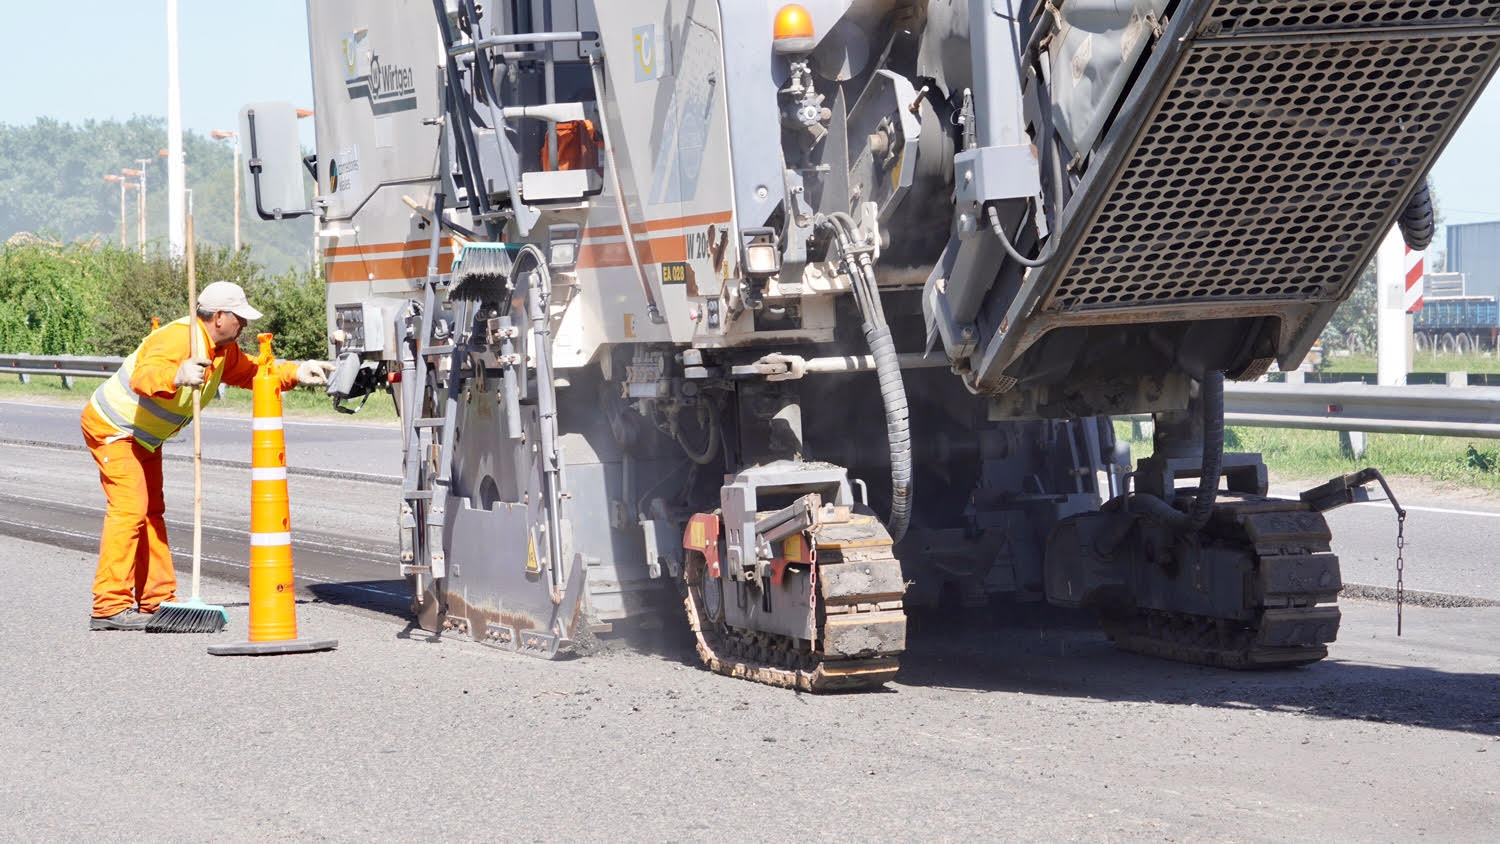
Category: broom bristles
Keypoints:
(482, 272)
(189, 617)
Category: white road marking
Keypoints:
(1411, 508)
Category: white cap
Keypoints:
(226, 296)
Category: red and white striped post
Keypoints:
(1414, 274)
(1412, 301)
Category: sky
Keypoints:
(106, 59)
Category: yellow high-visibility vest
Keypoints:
(151, 420)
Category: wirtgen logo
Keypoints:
(389, 87)
(389, 83)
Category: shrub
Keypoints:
(1483, 461)
(157, 287)
(84, 299)
(293, 304)
(49, 295)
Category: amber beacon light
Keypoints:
(793, 32)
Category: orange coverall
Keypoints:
(135, 563)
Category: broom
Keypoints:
(192, 615)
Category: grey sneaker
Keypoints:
(123, 620)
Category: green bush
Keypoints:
(293, 304)
(1483, 461)
(50, 295)
(157, 287)
(84, 299)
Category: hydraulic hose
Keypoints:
(1212, 396)
(856, 263)
(1039, 261)
(710, 449)
(653, 311)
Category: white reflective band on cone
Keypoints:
(271, 539)
(265, 423)
(275, 474)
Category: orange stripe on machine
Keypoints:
(604, 246)
(380, 269)
(653, 251)
(691, 221)
(384, 248)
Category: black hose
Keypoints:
(710, 449)
(887, 370)
(897, 424)
(1039, 261)
(1212, 397)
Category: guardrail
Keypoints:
(1453, 411)
(67, 367)
(1422, 409)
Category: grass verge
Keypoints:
(1421, 362)
(302, 402)
(1295, 455)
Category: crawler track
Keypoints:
(1293, 572)
(859, 590)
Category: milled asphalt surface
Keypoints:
(1026, 732)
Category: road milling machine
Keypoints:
(821, 311)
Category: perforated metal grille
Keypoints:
(1269, 167)
(1248, 16)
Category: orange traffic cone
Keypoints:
(273, 604)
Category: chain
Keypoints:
(1400, 565)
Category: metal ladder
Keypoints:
(423, 505)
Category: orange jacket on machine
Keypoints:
(577, 147)
(127, 419)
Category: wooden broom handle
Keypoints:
(195, 349)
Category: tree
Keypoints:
(53, 184)
(1353, 325)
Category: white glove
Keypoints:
(313, 373)
(191, 373)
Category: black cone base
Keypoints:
(286, 646)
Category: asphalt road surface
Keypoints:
(1034, 729)
(1023, 732)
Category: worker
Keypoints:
(148, 401)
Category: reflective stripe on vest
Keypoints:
(150, 420)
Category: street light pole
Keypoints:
(176, 175)
(140, 202)
(141, 164)
(113, 177)
(221, 134)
